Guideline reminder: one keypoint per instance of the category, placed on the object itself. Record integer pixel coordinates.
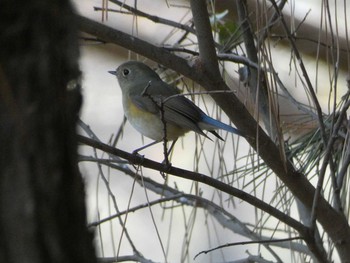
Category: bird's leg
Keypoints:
(167, 153)
(171, 146)
(144, 147)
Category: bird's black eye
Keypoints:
(126, 72)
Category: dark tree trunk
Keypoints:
(42, 209)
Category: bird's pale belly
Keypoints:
(150, 125)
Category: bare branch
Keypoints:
(140, 160)
(207, 52)
(248, 243)
(155, 19)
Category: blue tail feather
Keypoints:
(209, 123)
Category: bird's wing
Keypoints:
(148, 96)
(178, 109)
(145, 104)
(183, 112)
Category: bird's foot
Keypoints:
(167, 165)
(138, 158)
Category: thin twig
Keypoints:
(160, 107)
(271, 22)
(195, 177)
(248, 243)
(198, 93)
(238, 59)
(314, 100)
(226, 219)
(327, 158)
(134, 209)
(153, 18)
(139, 168)
(127, 258)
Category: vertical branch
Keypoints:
(160, 106)
(317, 106)
(256, 80)
(207, 52)
(304, 71)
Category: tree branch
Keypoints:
(155, 19)
(259, 88)
(207, 52)
(140, 160)
(337, 228)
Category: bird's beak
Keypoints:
(113, 72)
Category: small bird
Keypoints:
(149, 103)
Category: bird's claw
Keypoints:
(167, 165)
(138, 157)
